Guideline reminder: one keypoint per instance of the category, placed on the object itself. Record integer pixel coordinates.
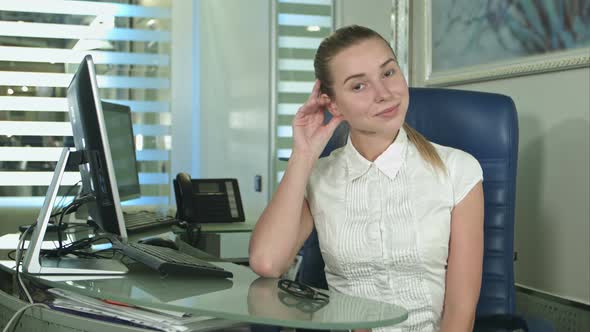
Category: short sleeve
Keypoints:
(465, 173)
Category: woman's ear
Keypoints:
(330, 105)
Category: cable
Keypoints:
(70, 208)
(19, 249)
(57, 209)
(60, 202)
(77, 248)
(189, 229)
(18, 315)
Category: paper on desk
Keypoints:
(149, 317)
(9, 264)
(58, 278)
(10, 241)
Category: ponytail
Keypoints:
(425, 148)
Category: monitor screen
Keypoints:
(117, 119)
(90, 137)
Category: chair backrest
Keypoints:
(486, 126)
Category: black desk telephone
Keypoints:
(207, 200)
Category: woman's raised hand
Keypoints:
(310, 135)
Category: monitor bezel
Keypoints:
(107, 204)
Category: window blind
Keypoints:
(301, 26)
(41, 44)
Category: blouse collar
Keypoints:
(389, 162)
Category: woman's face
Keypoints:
(369, 89)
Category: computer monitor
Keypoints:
(89, 128)
(93, 154)
(119, 126)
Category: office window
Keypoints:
(301, 25)
(41, 44)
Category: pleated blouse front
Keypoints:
(384, 226)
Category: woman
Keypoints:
(399, 219)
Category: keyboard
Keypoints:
(171, 262)
(143, 220)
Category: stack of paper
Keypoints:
(164, 320)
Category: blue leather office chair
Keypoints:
(486, 126)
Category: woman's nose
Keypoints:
(382, 93)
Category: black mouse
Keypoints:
(160, 242)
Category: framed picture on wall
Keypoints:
(476, 40)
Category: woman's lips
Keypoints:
(389, 112)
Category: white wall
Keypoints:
(185, 81)
(374, 14)
(235, 95)
(552, 215)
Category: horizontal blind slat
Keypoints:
(52, 154)
(44, 104)
(303, 31)
(293, 98)
(58, 55)
(296, 64)
(35, 201)
(284, 142)
(284, 120)
(153, 155)
(161, 106)
(284, 153)
(59, 104)
(306, 9)
(304, 20)
(17, 178)
(312, 2)
(284, 131)
(85, 8)
(295, 87)
(288, 109)
(35, 128)
(151, 130)
(46, 128)
(29, 154)
(24, 178)
(296, 53)
(12, 78)
(69, 31)
(299, 42)
(302, 76)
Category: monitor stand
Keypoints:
(35, 264)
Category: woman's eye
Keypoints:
(358, 87)
(389, 73)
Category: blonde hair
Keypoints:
(351, 35)
(425, 148)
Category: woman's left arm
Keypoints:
(465, 261)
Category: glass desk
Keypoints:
(245, 298)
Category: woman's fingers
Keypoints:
(315, 92)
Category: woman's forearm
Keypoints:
(278, 229)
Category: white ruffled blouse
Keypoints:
(384, 226)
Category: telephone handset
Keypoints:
(207, 200)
